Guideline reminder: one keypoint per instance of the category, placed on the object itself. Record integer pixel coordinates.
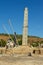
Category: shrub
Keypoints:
(20, 42)
(35, 44)
(2, 43)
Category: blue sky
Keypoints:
(14, 10)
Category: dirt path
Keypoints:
(10, 60)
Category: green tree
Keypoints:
(2, 43)
(20, 42)
(35, 44)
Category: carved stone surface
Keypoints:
(25, 27)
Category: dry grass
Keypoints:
(31, 39)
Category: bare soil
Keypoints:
(21, 60)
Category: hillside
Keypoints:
(31, 39)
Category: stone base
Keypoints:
(21, 50)
(17, 50)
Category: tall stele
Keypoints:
(25, 27)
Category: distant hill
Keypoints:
(31, 39)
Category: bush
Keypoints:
(35, 44)
(2, 43)
(20, 42)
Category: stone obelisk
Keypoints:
(25, 27)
